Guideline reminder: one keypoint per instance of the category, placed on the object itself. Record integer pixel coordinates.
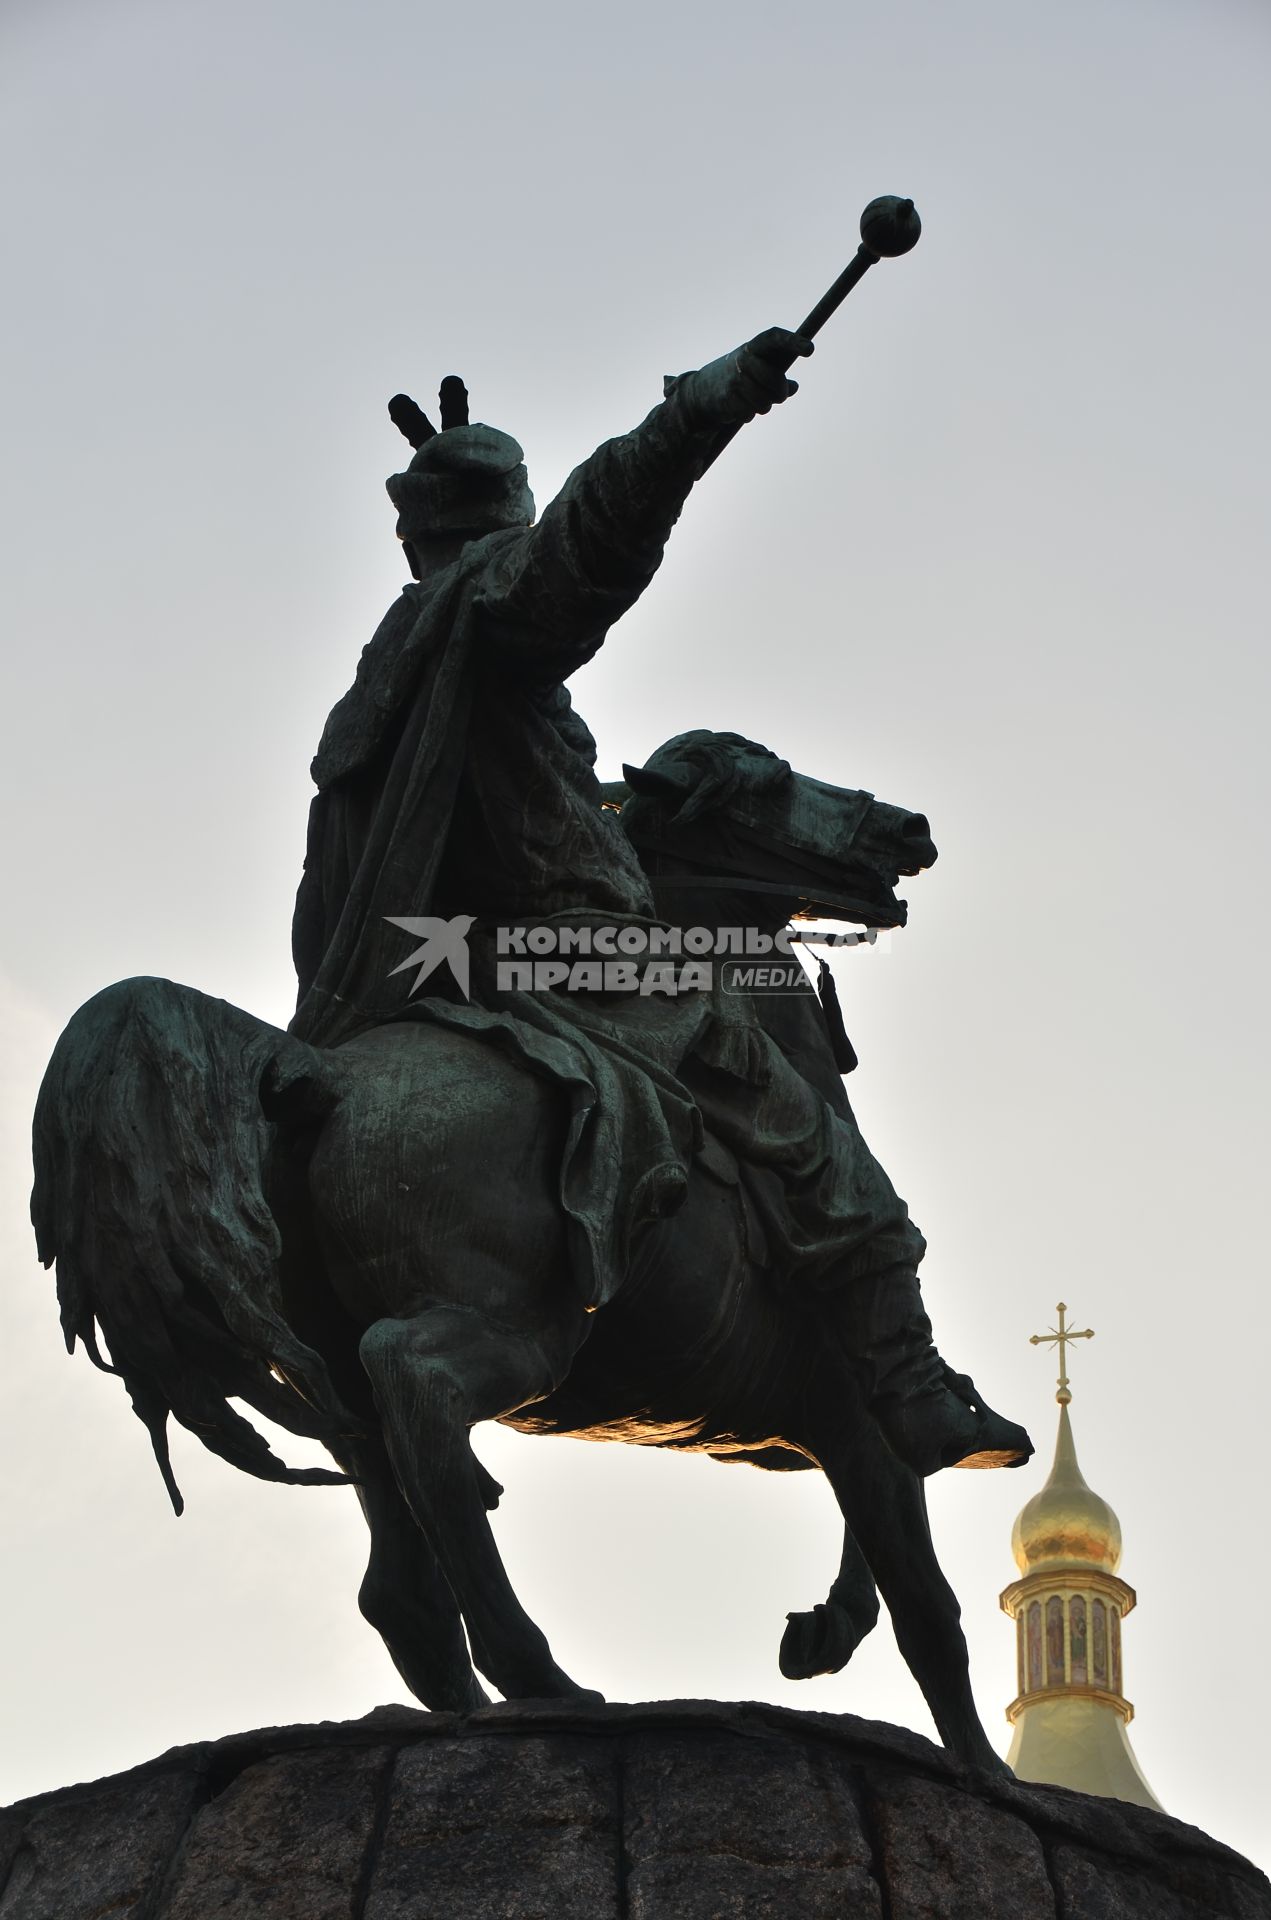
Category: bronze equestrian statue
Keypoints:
(610, 1197)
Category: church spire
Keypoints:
(1070, 1714)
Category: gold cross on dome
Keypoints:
(1059, 1337)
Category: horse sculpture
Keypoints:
(310, 1231)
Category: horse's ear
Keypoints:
(655, 786)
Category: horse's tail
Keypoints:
(149, 1147)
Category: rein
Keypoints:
(735, 879)
(745, 886)
(728, 879)
(845, 1056)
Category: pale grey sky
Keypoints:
(1002, 560)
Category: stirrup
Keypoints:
(999, 1443)
(942, 1429)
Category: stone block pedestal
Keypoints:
(685, 1810)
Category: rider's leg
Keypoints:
(434, 1376)
(838, 1226)
(931, 1417)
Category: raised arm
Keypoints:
(601, 540)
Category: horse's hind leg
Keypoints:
(885, 1507)
(434, 1376)
(405, 1595)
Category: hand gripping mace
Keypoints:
(889, 227)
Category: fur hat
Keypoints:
(466, 479)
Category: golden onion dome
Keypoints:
(1066, 1524)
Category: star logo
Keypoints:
(444, 942)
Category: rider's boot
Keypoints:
(930, 1416)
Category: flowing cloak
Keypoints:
(454, 776)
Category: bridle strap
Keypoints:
(738, 883)
(731, 879)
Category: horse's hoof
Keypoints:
(568, 1695)
(822, 1641)
(550, 1682)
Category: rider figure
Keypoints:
(455, 777)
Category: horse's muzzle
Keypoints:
(917, 848)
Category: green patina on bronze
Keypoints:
(645, 1216)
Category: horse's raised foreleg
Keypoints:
(824, 1640)
(405, 1595)
(884, 1506)
(434, 1376)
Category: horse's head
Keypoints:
(717, 805)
